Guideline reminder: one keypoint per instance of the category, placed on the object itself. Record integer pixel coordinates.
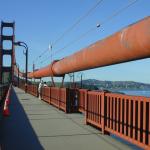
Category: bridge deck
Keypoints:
(35, 125)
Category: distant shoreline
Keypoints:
(93, 84)
(116, 85)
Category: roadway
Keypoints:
(35, 125)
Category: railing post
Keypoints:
(59, 97)
(103, 112)
(86, 108)
(69, 101)
(42, 93)
(65, 100)
(37, 91)
(50, 95)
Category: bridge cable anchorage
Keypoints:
(73, 26)
(92, 29)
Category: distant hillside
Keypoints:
(116, 84)
(93, 84)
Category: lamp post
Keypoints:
(33, 70)
(23, 44)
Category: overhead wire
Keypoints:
(78, 21)
(93, 28)
(98, 25)
(70, 43)
(73, 26)
(40, 55)
(132, 2)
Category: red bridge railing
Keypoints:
(7, 101)
(126, 116)
(46, 94)
(3, 91)
(63, 101)
(82, 97)
(55, 96)
(62, 98)
(32, 89)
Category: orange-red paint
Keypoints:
(131, 43)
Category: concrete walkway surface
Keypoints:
(35, 125)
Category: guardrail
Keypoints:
(54, 97)
(94, 112)
(7, 101)
(32, 89)
(46, 91)
(128, 117)
(3, 91)
(62, 98)
(82, 94)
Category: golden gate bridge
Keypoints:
(127, 117)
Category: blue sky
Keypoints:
(41, 22)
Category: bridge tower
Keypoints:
(7, 39)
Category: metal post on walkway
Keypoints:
(23, 44)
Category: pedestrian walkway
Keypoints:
(35, 125)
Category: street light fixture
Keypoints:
(23, 44)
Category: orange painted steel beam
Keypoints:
(131, 43)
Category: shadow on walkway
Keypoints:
(16, 132)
